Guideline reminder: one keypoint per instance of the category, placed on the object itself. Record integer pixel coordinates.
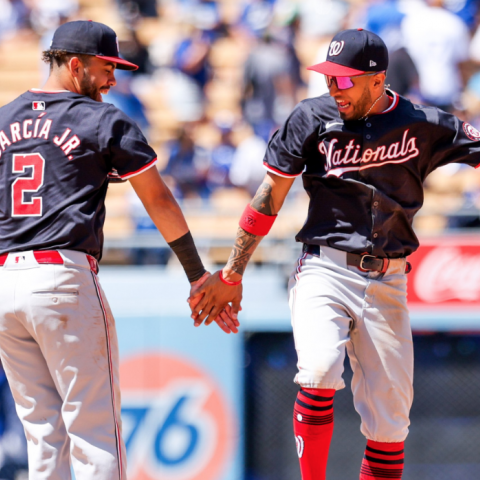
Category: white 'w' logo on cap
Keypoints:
(336, 48)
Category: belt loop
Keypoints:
(311, 249)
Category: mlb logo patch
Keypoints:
(38, 105)
(471, 132)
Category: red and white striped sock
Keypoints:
(382, 461)
(313, 427)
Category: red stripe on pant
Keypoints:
(110, 367)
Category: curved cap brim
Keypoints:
(335, 70)
(121, 63)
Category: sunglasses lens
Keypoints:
(344, 83)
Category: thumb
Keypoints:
(198, 283)
(194, 301)
(195, 286)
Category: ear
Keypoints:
(75, 66)
(379, 81)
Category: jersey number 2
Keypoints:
(31, 183)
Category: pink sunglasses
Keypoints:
(343, 83)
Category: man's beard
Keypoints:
(89, 89)
(361, 108)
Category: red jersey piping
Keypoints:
(146, 167)
(394, 104)
(279, 172)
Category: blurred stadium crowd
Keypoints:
(217, 77)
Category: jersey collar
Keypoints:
(393, 104)
(38, 90)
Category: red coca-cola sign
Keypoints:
(446, 272)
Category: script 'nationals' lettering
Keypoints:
(348, 159)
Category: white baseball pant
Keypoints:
(335, 306)
(59, 348)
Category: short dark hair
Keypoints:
(61, 57)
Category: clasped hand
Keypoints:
(211, 300)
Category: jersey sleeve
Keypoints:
(291, 145)
(124, 145)
(457, 142)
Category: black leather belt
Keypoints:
(366, 263)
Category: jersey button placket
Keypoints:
(375, 205)
(368, 125)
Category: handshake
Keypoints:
(217, 297)
(213, 298)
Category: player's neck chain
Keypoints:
(373, 104)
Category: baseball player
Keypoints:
(364, 153)
(58, 343)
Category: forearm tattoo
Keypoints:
(262, 201)
(245, 245)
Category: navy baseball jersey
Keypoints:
(365, 177)
(56, 153)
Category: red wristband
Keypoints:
(226, 282)
(255, 222)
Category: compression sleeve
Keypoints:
(186, 251)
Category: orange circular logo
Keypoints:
(176, 424)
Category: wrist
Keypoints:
(192, 282)
(229, 277)
(186, 251)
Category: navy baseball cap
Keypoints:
(90, 38)
(354, 52)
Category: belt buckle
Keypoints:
(363, 259)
